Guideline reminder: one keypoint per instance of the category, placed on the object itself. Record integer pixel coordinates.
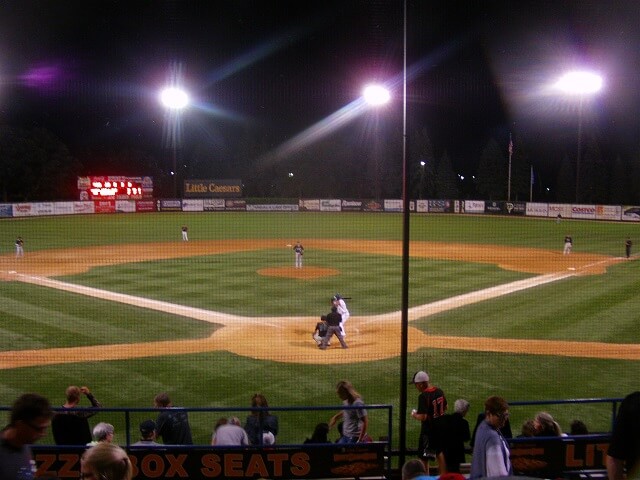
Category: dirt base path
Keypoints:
(369, 337)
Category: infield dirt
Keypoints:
(369, 337)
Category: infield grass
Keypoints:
(595, 308)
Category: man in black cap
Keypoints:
(333, 320)
(147, 435)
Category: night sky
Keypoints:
(91, 71)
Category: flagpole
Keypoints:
(531, 185)
(509, 181)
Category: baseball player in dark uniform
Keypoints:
(333, 320)
(321, 330)
(627, 247)
(432, 404)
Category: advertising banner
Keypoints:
(83, 207)
(212, 204)
(278, 207)
(473, 206)
(393, 205)
(145, 206)
(439, 206)
(169, 205)
(309, 205)
(562, 209)
(515, 208)
(537, 209)
(583, 211)
(352, 205)
(6, 210)
(192, 205)
(126, 206)
(236, 205)
(372, 206)
(554, 457)
(63, 208)
(317, 461)
(23, 210)
(630, 213)
(220, 188)
(494, 207)
(330, 205)
(608, 212)
(105, 206)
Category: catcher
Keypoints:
(321, 330)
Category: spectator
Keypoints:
(431, 404)
(71, 427)
(578, 427)
(624, 449)
(172, 424)
(528, 429)
(546, 426)
(106, 461)
(29, 419)
(229, 433)
(320, 434)
(102, 432)
(415, 470)
(147, 434)
(490, 451)
(450, 434)
(505, 431)
(261, 426)
(355, 421)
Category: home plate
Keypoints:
(571, 268)
(12, 271)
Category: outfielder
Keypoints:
(338, 302)
(19, 247)
(185, 233)
(299, 252)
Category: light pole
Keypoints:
(422, 164)
(174, 100)
(580, 84)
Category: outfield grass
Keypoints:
(598, 308)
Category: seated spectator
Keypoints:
(320, 434)
(528, 429)
(72, 427)
(106, 461)
(578, 427)
(172, 425)
(261, 427)
(230, 434)
(29, 419)
(415, 470)
(147, 434)
(546, 426)
(102, 432)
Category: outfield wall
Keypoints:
(625, 213)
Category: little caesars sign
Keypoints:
(212, 188)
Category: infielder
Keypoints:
(568, 245)
(19, 247)
(299, 252)
(338, 302)
(185, 233)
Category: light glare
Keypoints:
(376, 95)
(579, 83)
(174, 98)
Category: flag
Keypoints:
(510, 145)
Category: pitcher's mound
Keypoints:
(304, 273)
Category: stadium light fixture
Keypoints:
(581, 84)
(376, 95)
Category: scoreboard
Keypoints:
(115, 188)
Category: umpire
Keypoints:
(333, 320)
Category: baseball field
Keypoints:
(121, 304)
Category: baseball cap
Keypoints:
(147, 427)
(420, 377)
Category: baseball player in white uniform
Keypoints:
(568, 245)
(341, 305)
(299, 252)
(185, 233)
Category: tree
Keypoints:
(565, 182)
(619, 183)
(35, 165)
(422, 184)
(446, 182)
(492, 172)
